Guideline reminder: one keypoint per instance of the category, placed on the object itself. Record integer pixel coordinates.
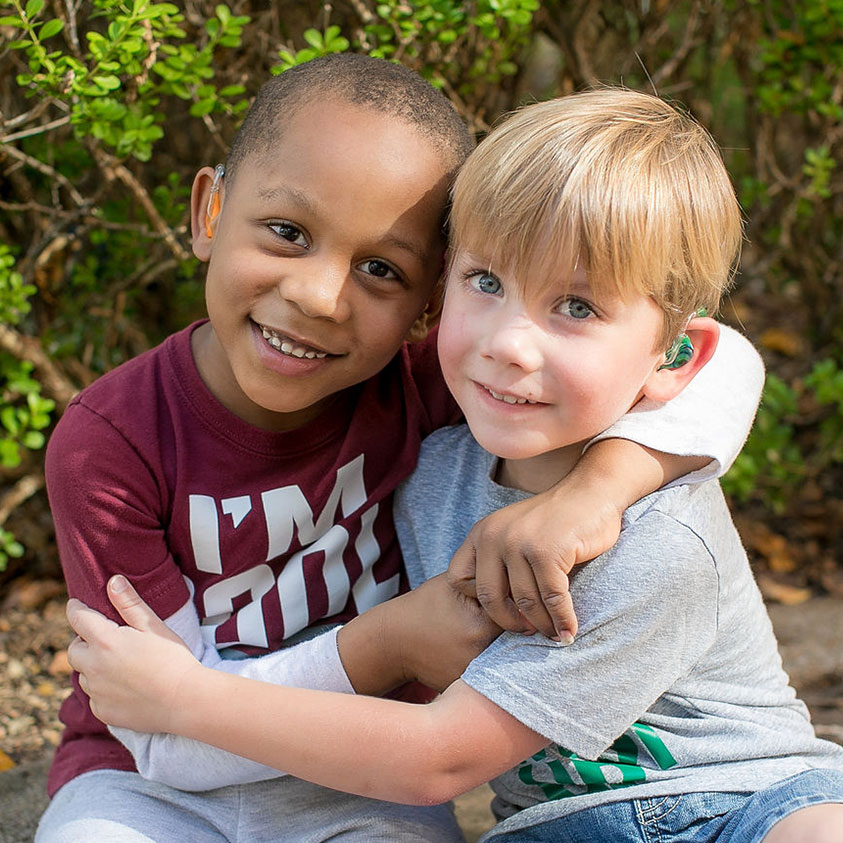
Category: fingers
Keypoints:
(79, 658)
(528, 597)
(545, 596)
(131, 607)
(87, 623)
(461, 569)
(494, 580)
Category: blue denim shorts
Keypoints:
(689, 817)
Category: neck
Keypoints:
(537, 474)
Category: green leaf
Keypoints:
(108, 83)
(33, 8)
(314, 38)
(203, 107)
(223, 13)
(33, 440)
(50, 28)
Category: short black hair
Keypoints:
(357, 79)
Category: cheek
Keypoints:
(454, 341)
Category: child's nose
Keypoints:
(318, 290)
(513, 342)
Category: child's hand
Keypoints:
(516, 560)
(438, 632)
(131, 673)
(429, 635)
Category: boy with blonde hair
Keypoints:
(587, 233)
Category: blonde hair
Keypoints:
(621, 182)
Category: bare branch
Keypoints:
(363, 11)
(24, 489)
(47, 170)
(27, 116)
(58, 387)
(579, 43)
(113, 169)
(72, 31)
(37, 130)
(682, 51)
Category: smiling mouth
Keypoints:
(290, 347)
(508, 399)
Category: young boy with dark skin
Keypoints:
(200, 469)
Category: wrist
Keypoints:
(616, 473)
(370, 651)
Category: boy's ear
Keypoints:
(429, 316)
(205, 207)
(664, 384)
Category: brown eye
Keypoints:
(378, 268)
(289, 232)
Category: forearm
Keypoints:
(365, 649)
(191, 765)
(622, 471)
(377, 748)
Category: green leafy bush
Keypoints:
(781, 453)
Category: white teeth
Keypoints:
(287, 346)
(508, 399)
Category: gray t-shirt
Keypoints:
(674, 683)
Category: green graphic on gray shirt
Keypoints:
(618, 766)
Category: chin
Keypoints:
(504, 448)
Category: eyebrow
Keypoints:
(273, 194)
(407, 246)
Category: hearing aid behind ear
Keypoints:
(213, 209)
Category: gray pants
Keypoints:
(111, 806)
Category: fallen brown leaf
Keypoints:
(60, 666)
(29, 594)
(789, 595)
(781, 340)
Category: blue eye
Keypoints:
(485, 282)
(576, 309)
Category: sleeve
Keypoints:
(711, 417)
(109, 514)
(190, 765)
(639, 633)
